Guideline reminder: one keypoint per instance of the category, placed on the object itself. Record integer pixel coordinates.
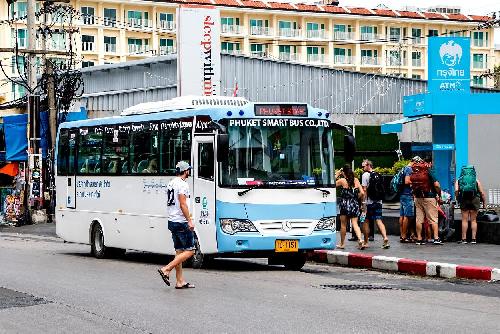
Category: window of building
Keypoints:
(369, 53)
(18, 64)
(230, 47)
(87, 15)
(110, 17)
(87, 63)
(479, 60)
(342, 52)
(144, 149)
(259, 23)
(109, 44)
(287, 25)
(175, 146)
(89, 150)
(18, 90)
(257, 47)
(433, 32)
(18, 10)
(166, 42)
(480, 38)
(20, 34)
(314, 50)
(166, 17)
(477, 80)
(315, 26)
(394, 34)
(87, 43)
(287, 49)
(206, 161)
(137, 18)
(416, 76)
(230, 21)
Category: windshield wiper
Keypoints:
(324, 191)
(243, 192)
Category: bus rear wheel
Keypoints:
(98, 249)
(295, 262)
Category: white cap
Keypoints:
(182, 166)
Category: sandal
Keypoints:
(340, 247)
(185, 286)
(164, 277)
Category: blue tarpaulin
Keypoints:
(16, 138)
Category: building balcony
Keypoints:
(416, 40)
(316, 34)
(20, 15)
(259, 54)
(166, 25)
(140, 24)
(232, 52)
(343, 36)
(231, 29)
(21, 43)
(395, 61)
(395, 38)
(261, 31)
(134, 49)
(370, 61)
(316, 59)
(109, 48)
(167, 50)
(479, 43)
(110, 22)
(88, 20)
(88, 46)
(343, 60)
(288, 32)
(368, 36)
(479, 65)
(285, 56)
(416, 62)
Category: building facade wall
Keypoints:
(370, 44)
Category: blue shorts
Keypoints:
(406, 208)
(182, 236)
(374, 211)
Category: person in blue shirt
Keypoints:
(406, 209)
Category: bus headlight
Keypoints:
(232, 226)
(327, 223)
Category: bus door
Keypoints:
(71, 177)
(204, 192)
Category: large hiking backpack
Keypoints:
(420, 179)
(398, 181)
(376, 191)
(467, 182)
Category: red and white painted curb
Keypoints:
(414, 267)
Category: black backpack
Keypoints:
(376, 191)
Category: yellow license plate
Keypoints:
(282, 246)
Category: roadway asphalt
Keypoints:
(52, 287)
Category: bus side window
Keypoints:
(206, 161)
(89, 151)
(144, 149)
(115, 151)
(175, 145)
(63, 153)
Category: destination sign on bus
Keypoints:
(281, 110)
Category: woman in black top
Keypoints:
(350, 193)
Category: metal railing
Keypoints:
(343, 36)
(289, 32)
(396, 61)
(366, 60)
(108, 47)
(260, 54)
(232, 52)
(87, 46)
(480, 65)
(88, 19)
(416, 62)
(315, 58)
(231, 29)
(416, 40)
(480, 43)
(140, 23)
(395, 38)
(166, 25)
(109, 21)
(167, 49)
(138, 49)
(260, 31)
(286, 56)
(340, 59)
(317, 34)
(369, 36)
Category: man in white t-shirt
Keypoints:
(180, 224)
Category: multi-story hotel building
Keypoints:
(358, 39)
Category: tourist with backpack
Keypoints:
(373, 188)
(402, 182)
(350, 193)
(427, 191)
(469, 194)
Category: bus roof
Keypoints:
(217, 108)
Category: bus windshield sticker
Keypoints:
(283, 122)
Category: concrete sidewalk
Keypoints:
(448, 260)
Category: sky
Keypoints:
(478, 7)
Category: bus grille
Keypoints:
(280, 227)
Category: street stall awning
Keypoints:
(11, 169)
(397, 126)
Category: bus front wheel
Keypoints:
(295, 262)
(98, 249)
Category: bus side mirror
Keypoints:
(349, 148)
(222, 146)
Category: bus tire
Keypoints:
(98, 249)
(295, 262)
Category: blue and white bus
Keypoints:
(262, 181)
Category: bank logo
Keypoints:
(450, 53)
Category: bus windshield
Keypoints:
(278, 156)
